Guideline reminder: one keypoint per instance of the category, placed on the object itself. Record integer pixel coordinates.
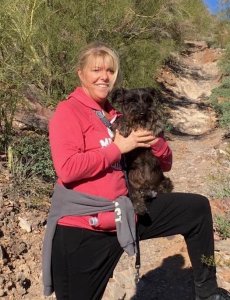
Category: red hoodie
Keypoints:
(86, 159)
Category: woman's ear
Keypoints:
(80, 75)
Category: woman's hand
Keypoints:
(138, 138)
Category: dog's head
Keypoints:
(140, 108)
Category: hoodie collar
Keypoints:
(86, 100)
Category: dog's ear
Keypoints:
(117, 95)
(156, 94)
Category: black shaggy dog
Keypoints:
(140, 108)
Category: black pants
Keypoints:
(84, 260)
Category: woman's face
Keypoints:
(97, 77)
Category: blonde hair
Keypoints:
(99, 49)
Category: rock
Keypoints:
(1, 199)
(3, 255)
(193, 46)
(9, 284)
(33, 114)
(192, 121)
(25, 225)
(22, 248)
(2, 281)
(20, 290)
(188, 80)
(2, 292)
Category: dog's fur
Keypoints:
(140, 108)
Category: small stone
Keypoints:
(20, 290)
(1, 199)
(2, 281)
(25, 225)
(2, 254)
(22, 248)
(9, 284)
(20, 276)
(2, 292)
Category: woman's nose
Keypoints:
(104, 75)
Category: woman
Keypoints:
(86, 248)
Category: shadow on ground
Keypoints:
(168, 282)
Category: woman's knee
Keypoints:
(201, 205)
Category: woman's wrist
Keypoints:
(154, 141)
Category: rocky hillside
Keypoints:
(187, 80)
(199, 150)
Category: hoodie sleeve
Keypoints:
(71, 161)
(163, 152)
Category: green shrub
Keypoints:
(40, 39)
(32, 153)
(220, 97)
(25, 184)
(220, 179)
(220, 185)
(220, 100)
(222, 224)
(30, 168)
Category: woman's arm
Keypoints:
(67, 144)
(162, 151)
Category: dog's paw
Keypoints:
(140, 208)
